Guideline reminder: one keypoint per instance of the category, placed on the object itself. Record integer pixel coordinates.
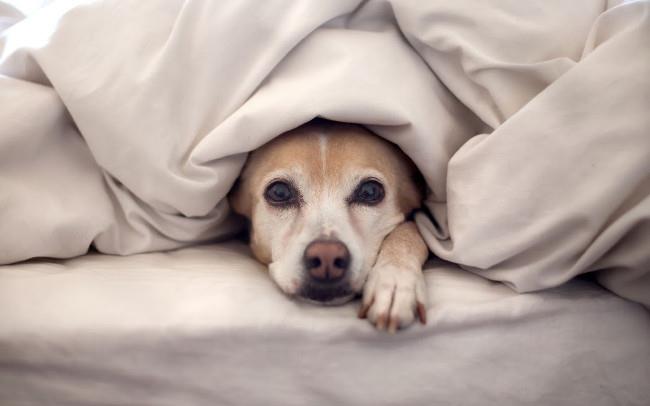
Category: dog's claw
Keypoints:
(381, 322)
(422, 313)
(363, 310)
(393, 325)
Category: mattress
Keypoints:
(206, 326)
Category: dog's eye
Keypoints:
(369, 192)
(280, 193)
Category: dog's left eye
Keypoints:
(369, 192)
(280, 193)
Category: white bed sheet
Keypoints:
(206, 326)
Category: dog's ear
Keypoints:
(239, 199)
(420, 184)
(410, 197)
(413, 190)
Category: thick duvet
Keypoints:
(206, 326)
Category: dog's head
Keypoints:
(320, 200)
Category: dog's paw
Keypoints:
(393, 297)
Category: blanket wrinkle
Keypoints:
(528, 121)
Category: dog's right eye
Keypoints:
(368, 193)
(281, 193)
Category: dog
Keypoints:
(327, 205)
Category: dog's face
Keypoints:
(320, 199)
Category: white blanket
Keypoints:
(124, 123)
(207, 326)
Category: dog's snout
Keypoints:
(326, 261)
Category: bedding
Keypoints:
(125, 123)
(206, 326)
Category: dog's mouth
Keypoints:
(329, 295)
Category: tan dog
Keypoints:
(327, 204)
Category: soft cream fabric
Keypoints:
(124, 123)
(207, 326)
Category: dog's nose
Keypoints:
(326, 261)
